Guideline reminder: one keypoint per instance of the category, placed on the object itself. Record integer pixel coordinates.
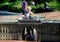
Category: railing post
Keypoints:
(2, 32)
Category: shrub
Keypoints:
(55, 5)
(58, 6)
(4, 6)
(14, 7)
(38, 8)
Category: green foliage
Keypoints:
(1, 1)
(42, 1)
(37, 7)
(58, 1)
(15, 5)
(58, 6)
(14, 9)
(4, 6)
(55, 4)
(12, 0)
(52, 4)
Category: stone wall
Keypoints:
(49, 32)
(46, 32)
(12, 31)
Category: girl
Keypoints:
(29, 14)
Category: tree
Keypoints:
(58, 1)
(12, 0)
(1, 1)
(42, 1)
(37, 1)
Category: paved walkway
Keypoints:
(11, 41)
(49, 16)
(16, 41)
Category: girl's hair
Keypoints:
(25, 0)
(28, 8)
